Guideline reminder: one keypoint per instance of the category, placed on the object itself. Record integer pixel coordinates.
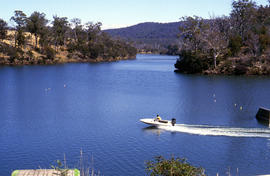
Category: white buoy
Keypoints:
(215, 100)
(65, 86)
(235, 104)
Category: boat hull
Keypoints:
(154, 122)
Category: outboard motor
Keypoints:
(173, 121)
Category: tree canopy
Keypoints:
(61, 39)
(237, 44)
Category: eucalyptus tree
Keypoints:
(215, 38)
(36, 24)
(20, 19)
(77, 28)
(3, 29)
(243, 16)
(93, 30)
(190, 33)
(60, 28)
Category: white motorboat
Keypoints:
(156, 122)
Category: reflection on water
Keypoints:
(153, 130)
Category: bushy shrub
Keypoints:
(191, 62)
(49, 52)
(172, 167)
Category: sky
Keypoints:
(120, 13)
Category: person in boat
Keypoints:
(158, 118)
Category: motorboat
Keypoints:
(156, 122)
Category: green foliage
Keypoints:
(45, 37)
(191, 32)
(49, 52)
(244, 34)
(235, 44)
(19, 18)
(36, 24)
(243, 16)
(264, 39)
(173, 50)
(93, 30)
(82, 41)
(20, 38)
(60, 27)
(61, 170)
(98, 44)
(172, 167)
(192, 62)
(3, 29)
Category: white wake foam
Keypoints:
(219, 130)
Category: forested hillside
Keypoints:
(153, 37)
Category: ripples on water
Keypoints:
(46, 111)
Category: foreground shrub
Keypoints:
(172, 167)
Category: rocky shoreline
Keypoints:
(42, 61)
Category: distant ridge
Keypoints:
(149, 35)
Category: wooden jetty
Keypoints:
(44, 172)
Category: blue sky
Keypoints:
(121, 13)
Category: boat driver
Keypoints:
(158, 118)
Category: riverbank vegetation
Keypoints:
(172, 167)
(234, 44)
(36, 40)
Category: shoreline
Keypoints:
(219, 74)
(56, 61)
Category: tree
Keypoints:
(77, 27)
(46, 37)
(36, 24)
(60, 27)
(215, 38)
(3, 29)
(190, 33)
(243, 16)
(172, 167)
(93, 30)
(235, 43)
(172, 49)
(20, 19)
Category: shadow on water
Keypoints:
(264, 123)
(155, 130)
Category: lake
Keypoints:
(47, 112)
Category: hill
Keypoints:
(149, 36)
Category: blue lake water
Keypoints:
(49, 111)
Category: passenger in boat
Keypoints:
(158, 118)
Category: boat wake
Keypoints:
(218, 130)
